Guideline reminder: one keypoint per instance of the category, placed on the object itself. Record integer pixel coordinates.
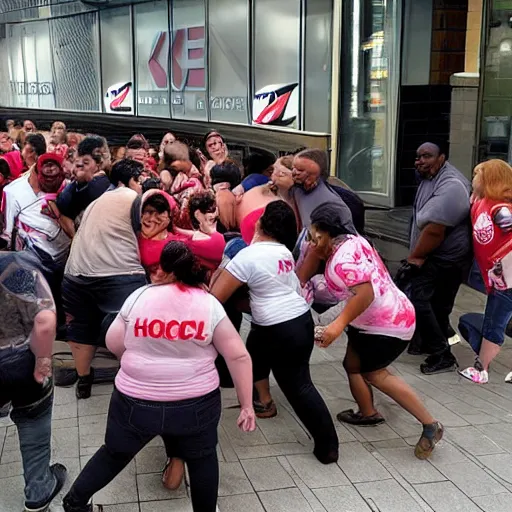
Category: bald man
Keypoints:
(440, 253)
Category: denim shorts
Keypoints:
(498, 312)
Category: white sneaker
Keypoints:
(454, 339)
(478, 377)
(508, 378)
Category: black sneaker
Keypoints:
(86, 508)
(438, 364)
(84, 385)
(60, 473)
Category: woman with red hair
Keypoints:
(491, 216)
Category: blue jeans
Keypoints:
(188, 428)
(491, 325)
(32, 415)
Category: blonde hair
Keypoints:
(496, 179)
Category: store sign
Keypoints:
(157, 63)
(188, 59)
(119, 98)
(228, 103)
(32, 88)
(276, 105)
(152, 98)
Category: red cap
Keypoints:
(49, 157)
(14, 161)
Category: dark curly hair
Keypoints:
(179, 259)
(228, 172)
(202, 201)
(90, 146)
(38, 143)
(278, 222)
(124, 170)
(328, 217)
(151, 183)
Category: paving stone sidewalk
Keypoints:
(273, 469)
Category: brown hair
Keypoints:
(287, 161)
(496, 179)
(318, 156)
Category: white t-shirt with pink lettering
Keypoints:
(356, 262)
(169, 353)
(268, 268)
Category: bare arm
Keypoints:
(357, 304)
(228, 343)
(43, 333)
(115, 337)
(67, 225)
(309, 266)
(224, 285)
(41, 343)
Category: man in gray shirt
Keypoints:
(310, 172)
(440, 253)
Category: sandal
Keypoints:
(430, 436)
(356, 418)
(172, 474)
(263, 411)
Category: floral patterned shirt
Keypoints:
(354, 262)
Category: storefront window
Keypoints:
(152, 58)
(276, 63)
(228, 60)
(369, 90)
(496, 131)
(117, 61)
(317, 62)
(188, 60)
(30, 66)
(76, 62)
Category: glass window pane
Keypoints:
(368, 94)
(228, 60)
(116, 60)
(30, 66)
(76, 62)
(152, 58)
(496, 128)
(318, 58)
(276, 62)
(188, 60)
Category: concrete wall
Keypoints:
(463, 120)
(474, 30)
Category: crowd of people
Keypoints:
(157, 252)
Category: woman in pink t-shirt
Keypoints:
(204, 240)
(379, 319)
(167, 337)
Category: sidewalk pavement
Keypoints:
(274, 470)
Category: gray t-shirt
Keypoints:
(307, 201)
(444, 200)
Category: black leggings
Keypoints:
(189, 431)
(285, 349)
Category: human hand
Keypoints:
(325, 335)
(246, 420)
(417, 262)
(43, 369)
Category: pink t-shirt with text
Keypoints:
(356, 262)
(169, 353)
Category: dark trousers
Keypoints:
(189, 431)
(32, 415)
(285, 349)
(433, 291)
